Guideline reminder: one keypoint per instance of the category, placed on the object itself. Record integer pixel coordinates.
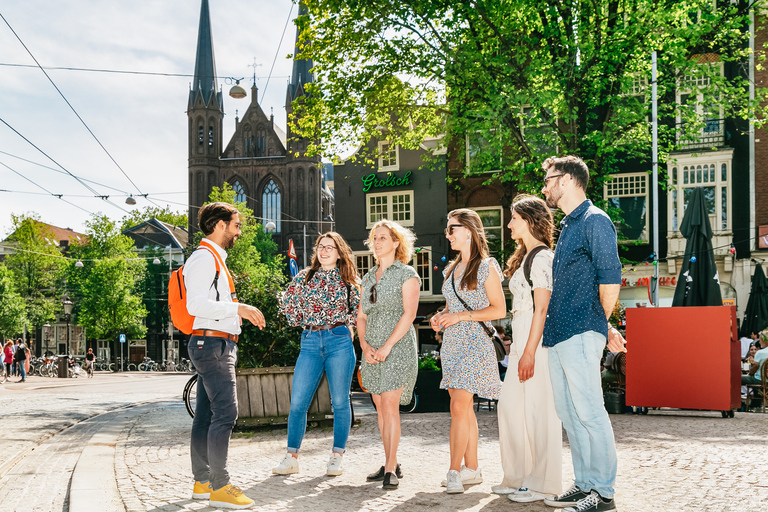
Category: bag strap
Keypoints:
(527, 269)
(219, 261)
(490, 332)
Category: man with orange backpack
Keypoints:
(211, 300)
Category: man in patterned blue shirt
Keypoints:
(586, 276)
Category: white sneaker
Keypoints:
(453, 483)
(288, 466)
(524, 495)
(469, 476)
(334, 465)
(502, 489)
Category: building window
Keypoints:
(700, 123)
(388, 157)
(712, 172)
(200, 136)
(538, 134)
(629, 192)
(482, 155)
(493, 220)
(270, 201)
(240, 196)
(396, 206)
(363, 263)
(421, 262)
(210, 136)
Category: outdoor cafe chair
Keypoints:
(762, 387)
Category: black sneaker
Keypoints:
(593, 503)
(568, 499)
(390, 482)
(379, 475)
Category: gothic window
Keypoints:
(210, 136)
(200, 137)
(270, 200)
(240, 196)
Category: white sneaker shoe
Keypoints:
(469, 477)
(288, 466)
(502, 489)
(334, 465)
(525, 495)
(453, 483)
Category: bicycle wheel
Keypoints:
(132, 367)
(190, 395)
(410, 406)
(142, 367)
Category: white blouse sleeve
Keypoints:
(541, 270)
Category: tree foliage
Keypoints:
(520, 79)
(136, 217)
(36, 264)
(106, 291)
(12, 310)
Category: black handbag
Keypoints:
(498, 345)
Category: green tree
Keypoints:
(136, 217)
(12, 310)
(521, 80)
(36, 264)
(106, 290)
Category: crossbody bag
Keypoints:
(498, 346)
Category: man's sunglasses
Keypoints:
(550, 177)
(449, 229)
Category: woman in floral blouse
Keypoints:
(323, 299)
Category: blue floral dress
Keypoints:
(468, 356)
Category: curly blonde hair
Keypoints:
(404, 251)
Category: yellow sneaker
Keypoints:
(201, 491)
(229, 496)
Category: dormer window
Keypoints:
(388, 157)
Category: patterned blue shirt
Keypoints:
(586, 256)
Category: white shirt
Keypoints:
(199, 272)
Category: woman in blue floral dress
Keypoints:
(469, 359)
(324, 300)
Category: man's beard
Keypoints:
(228, 242)
(552, 199)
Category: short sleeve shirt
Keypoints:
(586, 256)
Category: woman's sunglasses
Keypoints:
(373, 297)
(449, 229)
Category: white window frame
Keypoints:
(468, 155)
(676, 195)
(388, 210)
(500, 209)
(426, 285)
(689, 85)
(615, 184)
(524, 117)
(387, 148)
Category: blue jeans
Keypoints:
(22, 369)
(574, 366)
(330, 351)
(216, 407)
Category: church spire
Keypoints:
(205, 62)
(301, 75)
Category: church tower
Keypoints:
(205, 112)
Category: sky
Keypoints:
(140, 119)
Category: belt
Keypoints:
(215, 334)
(323, 327)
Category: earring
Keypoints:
(469, 238)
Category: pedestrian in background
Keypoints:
(14, 363)
(21, 357)
(8, 360)
(530, 433)
(89, 359)
(385, 327)
(586, 277)
(474, 296)
(212, 349)
(323, 299)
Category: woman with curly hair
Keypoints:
(387, 337)
(530, 433)
(323, 299)
(474, 296)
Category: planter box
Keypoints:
(429, 396)
(264, 397)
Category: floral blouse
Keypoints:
(322, 301)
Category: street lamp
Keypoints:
(67, 312)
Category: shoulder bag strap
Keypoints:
(490, 332)
(527, 269)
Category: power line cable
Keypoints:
(116, 71)
(277, 52)
(42, 187)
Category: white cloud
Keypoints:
(140, 119)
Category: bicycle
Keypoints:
(190, 395)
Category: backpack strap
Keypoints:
(215, 283)
(527, 269)
(219, 261)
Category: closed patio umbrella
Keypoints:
(699, 282)
(756, 314)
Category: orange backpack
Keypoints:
(177, 293)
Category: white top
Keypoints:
(199, 272)
(541, 275)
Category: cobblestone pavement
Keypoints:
(668, 461)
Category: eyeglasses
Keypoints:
(373, 296)
(550, 177)
(449, 229)
(325, 248)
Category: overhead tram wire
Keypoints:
(71, 107)
(277, 52)
(116, 71)
(43, 188)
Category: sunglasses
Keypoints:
(373, 296)
(449, 229)
(550, 177)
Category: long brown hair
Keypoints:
(404, 251)
(537, 214)
(478, 250)
(345, 263)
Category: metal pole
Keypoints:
(655, 184)
(305, 246)
(170, 322)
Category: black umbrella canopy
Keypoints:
(756, 314)
(699, 282)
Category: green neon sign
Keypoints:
(391, 180)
